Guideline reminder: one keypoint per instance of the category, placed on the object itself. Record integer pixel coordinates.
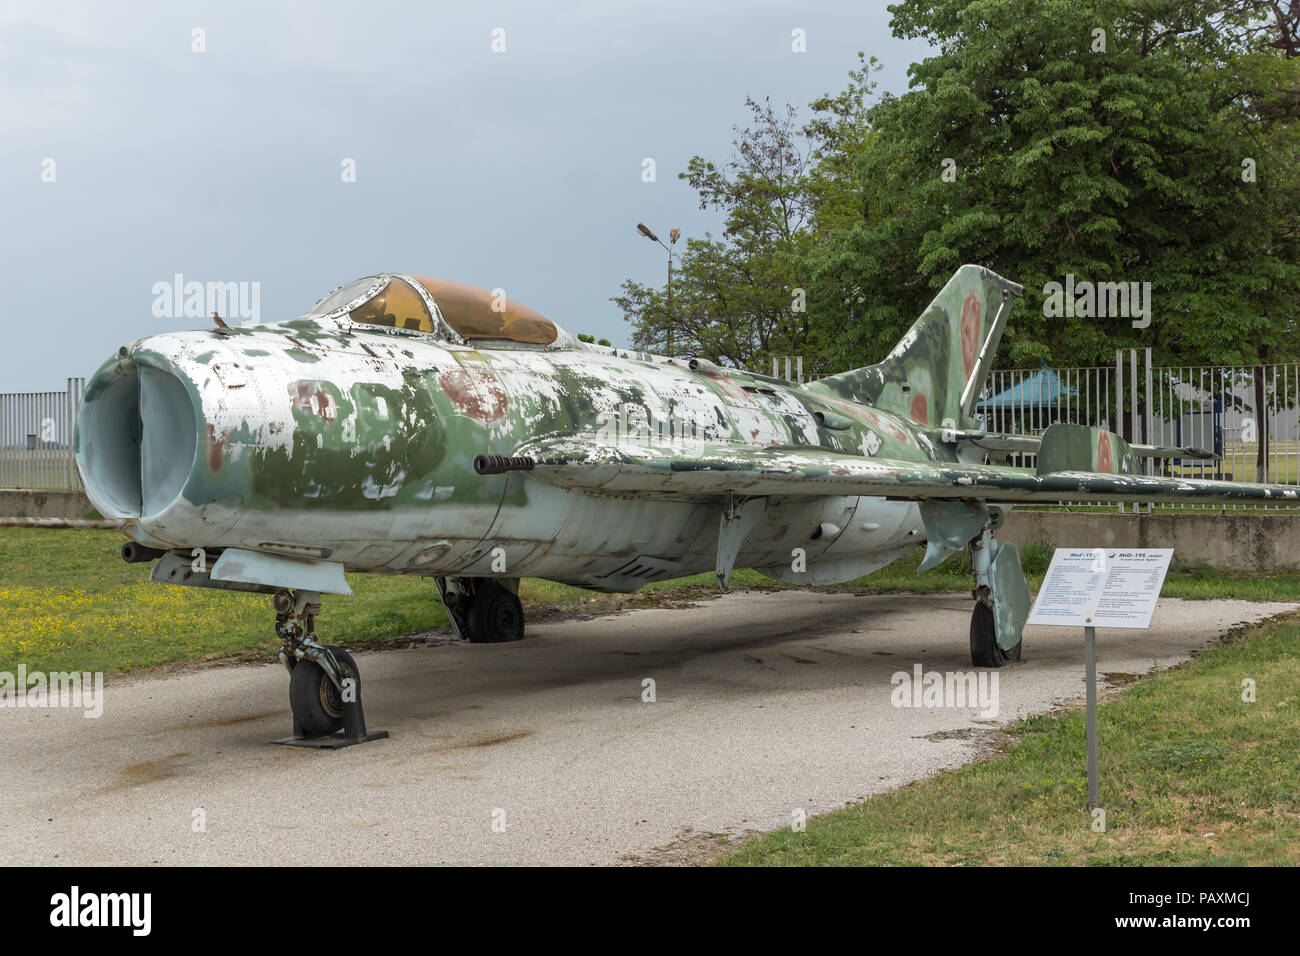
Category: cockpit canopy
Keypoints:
(437, 306)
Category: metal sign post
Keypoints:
(1090, 671)
(1095, 588)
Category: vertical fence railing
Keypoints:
(36, 438)
(1248, 417)
(1026, 402)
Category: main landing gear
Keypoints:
(1001, 602)
(324, 682)
(985, 651)
(483, 610)
(1001, 592)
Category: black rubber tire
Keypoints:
(316, 703)
(984, 648)
(496, 615)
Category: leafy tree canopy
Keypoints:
(1115, 141)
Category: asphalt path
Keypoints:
(765, 705)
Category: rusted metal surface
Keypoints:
(100, 524)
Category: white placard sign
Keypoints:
(1101, 587)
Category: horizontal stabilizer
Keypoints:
(1009, 442)
(1085, 448)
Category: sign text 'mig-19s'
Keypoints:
(409, 425)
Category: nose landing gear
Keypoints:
(324, 682)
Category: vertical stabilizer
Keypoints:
(934, 373)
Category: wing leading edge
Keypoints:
(717, 469)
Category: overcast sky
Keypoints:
(519, 169)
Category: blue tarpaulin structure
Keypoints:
(1041, 389)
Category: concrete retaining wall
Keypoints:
(45, 504)
(1237, 542)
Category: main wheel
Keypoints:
(495, 614)
(316, 703)
(984, 648)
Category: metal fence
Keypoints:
(36, 438)
(1248, 417)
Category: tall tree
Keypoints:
(732, 297)
(741, 299)
(1105, 139)
(1147, 141)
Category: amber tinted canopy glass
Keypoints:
(478, 314)
(394, 302)
(474, 313)
(397, 305)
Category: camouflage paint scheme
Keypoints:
(339, 441)
(1085, 449)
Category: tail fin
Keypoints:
(933, 375)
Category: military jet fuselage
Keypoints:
(416, 426)
(357, 446)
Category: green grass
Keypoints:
(1190, 774)
(68, 602)
(1188, 583)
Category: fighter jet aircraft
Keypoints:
(409, 425)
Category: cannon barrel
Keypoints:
(133, 553)
(499, 464)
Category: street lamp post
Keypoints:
(672, 241)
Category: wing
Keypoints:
(716, 469)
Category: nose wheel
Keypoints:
(316, 702)
(324, 682)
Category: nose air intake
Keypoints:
(135, 440)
